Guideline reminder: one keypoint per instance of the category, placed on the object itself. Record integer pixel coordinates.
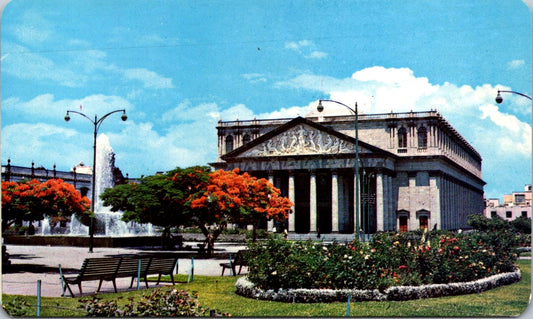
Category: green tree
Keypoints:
(159, 199)
(485, 224)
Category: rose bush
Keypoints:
(390, 259)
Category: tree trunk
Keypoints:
(165, 238)
(254, 232)
(210, 238)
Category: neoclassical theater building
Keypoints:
(415, 170)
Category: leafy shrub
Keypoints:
(390, 259)
(521, 225)
(159, 303)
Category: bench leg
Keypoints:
(115, 285)
(79, 286)
(67, 286)
(99, 285)
(172, 278)
(223, 268)
(158, 279)
(240, 268)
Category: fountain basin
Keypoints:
(83, 241)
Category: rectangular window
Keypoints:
(423, 222)
(493, 214)
(403, 224)
(524, 214)
(508, 214)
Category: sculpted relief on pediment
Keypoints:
(301, 140)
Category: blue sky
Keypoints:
(179, 66)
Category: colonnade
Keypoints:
(335, 213)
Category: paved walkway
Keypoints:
(33, 263)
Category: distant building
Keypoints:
(517, 204)
(416, 170)
(80, 175)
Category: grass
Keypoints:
(219, 293)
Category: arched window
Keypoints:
(422, 137)
(402, 138)
(246, 139)
(229, 143)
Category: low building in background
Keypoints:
(516, 204)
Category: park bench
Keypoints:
(160, 265)
(111, 268)
(101, 268)
(239, 260)
(129, 267)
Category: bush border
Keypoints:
(396, 293)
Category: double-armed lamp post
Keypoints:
(97, 122)
(357, 195)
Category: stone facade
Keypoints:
(415, 170)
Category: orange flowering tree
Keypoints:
(231, 197)
(33, 200)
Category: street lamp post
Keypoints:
(499, 98)
(97, 123)
(320, 108)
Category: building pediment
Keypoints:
(300, 137)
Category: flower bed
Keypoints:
(396, 293)
(389, 260)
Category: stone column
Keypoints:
(390, 204)
(379, 202)
(434, 202)
(270, 223)
(312, 202)
(386, 199)
(292, 198)
(334, 202)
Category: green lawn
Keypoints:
(219, 293)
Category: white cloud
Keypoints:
(306, 48)
(32, 27)
(471, 110)
(26, 65)
(297, 46)
(46, 106)
(515, 64)
(317, 55)
(39, 142)
(255, 77)
(150, 79)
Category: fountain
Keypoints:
(106, 222)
